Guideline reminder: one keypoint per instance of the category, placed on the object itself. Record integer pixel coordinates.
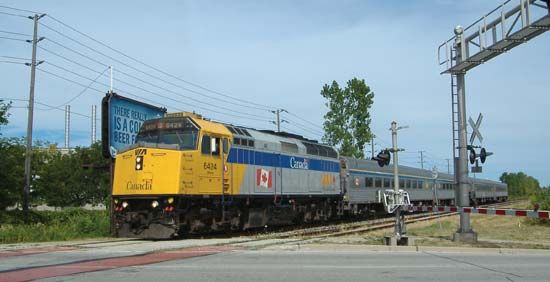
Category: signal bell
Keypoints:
(383, 158)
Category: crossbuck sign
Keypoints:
(475, 129)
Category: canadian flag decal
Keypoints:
(264, 178)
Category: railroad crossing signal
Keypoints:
(475, 129)
(383, 158)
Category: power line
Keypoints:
(17, 9)
(95, 89)
(14, 33)
(231, 101)
(296, 124)
(84, 90)
(16, 58)
(12, 62)
(13, 15)
(158, 70)
(46, 105)
(14, 39)
(139, 97)
(138, 70)
(261, 118)
(315, 125)
(166, 97)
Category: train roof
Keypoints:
(373, 166)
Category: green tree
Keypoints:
(12, 157)
(4, 113)
(74, 179)
(347, 122)
(520, 184)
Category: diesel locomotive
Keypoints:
(186, 174)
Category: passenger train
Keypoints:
(186, 174)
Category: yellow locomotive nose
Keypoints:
(147, 171)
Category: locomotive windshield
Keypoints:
(179, 132)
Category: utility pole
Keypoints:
(94, 113)
(67, 126)
(28, 154)
(465, 232)
(422, 159)
(448, 166)
(399, 224)
(111, 79)
(279, 121)
(372, 147)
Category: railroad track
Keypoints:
(370, 225)
(295, 234)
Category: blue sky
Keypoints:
(280, 53)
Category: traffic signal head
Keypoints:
(472, 156)
(383, 158)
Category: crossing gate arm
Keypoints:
(487, 211)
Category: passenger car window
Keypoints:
(369, 182)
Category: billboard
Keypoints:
(121, 119)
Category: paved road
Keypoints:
(337, 264)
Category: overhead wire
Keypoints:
(17, 9)
(46, 105)
(303, 119)
(138, 70)
(13, 15)
(263, 118)
(11, 38)
(249, 103)
(85, 88)
(157, 69)
(154, 93)
(14, 33)
(95, 89)
(12, 62)
(260, 118)
(15, 58)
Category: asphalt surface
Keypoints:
(247, 259)
(335, 264)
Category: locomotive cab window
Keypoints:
(179, 133)
(205, 145)
(225, 146)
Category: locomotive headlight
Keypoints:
(139, 162)
(155, 204)
(170, 200)
(124, 204)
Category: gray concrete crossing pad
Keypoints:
(337, 265)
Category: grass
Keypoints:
(493, 231)
(74, 223)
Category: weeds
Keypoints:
(74, 223)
